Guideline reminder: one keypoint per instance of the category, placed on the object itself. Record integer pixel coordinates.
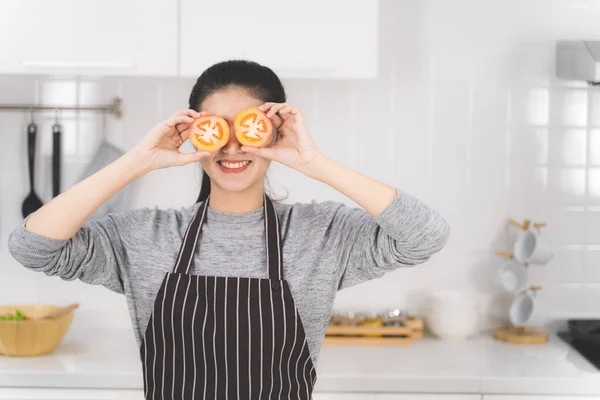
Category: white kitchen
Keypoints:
(486, 111)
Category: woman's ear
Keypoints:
(275, 137)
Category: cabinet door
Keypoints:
(297, 39)
(69, 394)
(113, 37)
(534, 397)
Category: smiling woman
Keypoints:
(231, 296)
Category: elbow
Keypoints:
(420, 249)
(437, 238)
(16, 247)
(442, 234)
(31, 256)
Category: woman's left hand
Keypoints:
(294, 147)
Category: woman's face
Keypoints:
(229, 168)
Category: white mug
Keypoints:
(513, 277)
(522, 308)
(531, 248)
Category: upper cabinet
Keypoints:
(331, 39)
(106, 37)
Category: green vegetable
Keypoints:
(16, 316)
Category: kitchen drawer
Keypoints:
(386, 396)
(534, 397)
(70, 394)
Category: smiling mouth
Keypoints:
(233, 166)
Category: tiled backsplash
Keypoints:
(467, 115)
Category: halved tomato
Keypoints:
(209, 133)
(253, 128)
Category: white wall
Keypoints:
(467, 115)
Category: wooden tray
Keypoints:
(364, 330)
(362, 335)
(521, 335)
(372, 341)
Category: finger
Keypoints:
(188, 158)
(180, 119)
(289, 110)
(277, 121)
(275, 108)
(266, 106)
(271, 108)
(184, 133)
(188, 112)
(182, 127)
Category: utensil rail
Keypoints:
(115, 108)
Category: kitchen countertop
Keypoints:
(108, 359)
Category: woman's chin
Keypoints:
(234, 185)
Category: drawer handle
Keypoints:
(76, 65)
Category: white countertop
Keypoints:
(108, 359)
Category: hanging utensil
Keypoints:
(32, 202)
(107, 153)
(56, 154)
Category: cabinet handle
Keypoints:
(306, 68)
(76, 65)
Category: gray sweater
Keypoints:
(326, 247)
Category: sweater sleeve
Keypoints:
(97, 254)
(361, 247)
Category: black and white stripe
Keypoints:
(226, 337)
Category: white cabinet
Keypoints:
(334, 39)
(70, 394)
(370, 396)
(106, 37)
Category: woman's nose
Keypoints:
(232, 146)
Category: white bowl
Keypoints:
(450, 328)
(452, 315)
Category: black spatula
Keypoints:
(56, 155)
(32, 201)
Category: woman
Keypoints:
(230, 297)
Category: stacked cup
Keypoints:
(529, 248)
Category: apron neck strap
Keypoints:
(272, 240)
(190, 240)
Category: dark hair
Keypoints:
(260, 82)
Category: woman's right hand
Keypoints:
(160, 147)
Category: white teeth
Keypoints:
(236, 165)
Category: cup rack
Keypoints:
(521, 334)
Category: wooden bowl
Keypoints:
(32, 337)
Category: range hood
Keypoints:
(578, 60)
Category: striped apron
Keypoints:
(226, 337)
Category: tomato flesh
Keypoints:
(209, 133)
(253, 128)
